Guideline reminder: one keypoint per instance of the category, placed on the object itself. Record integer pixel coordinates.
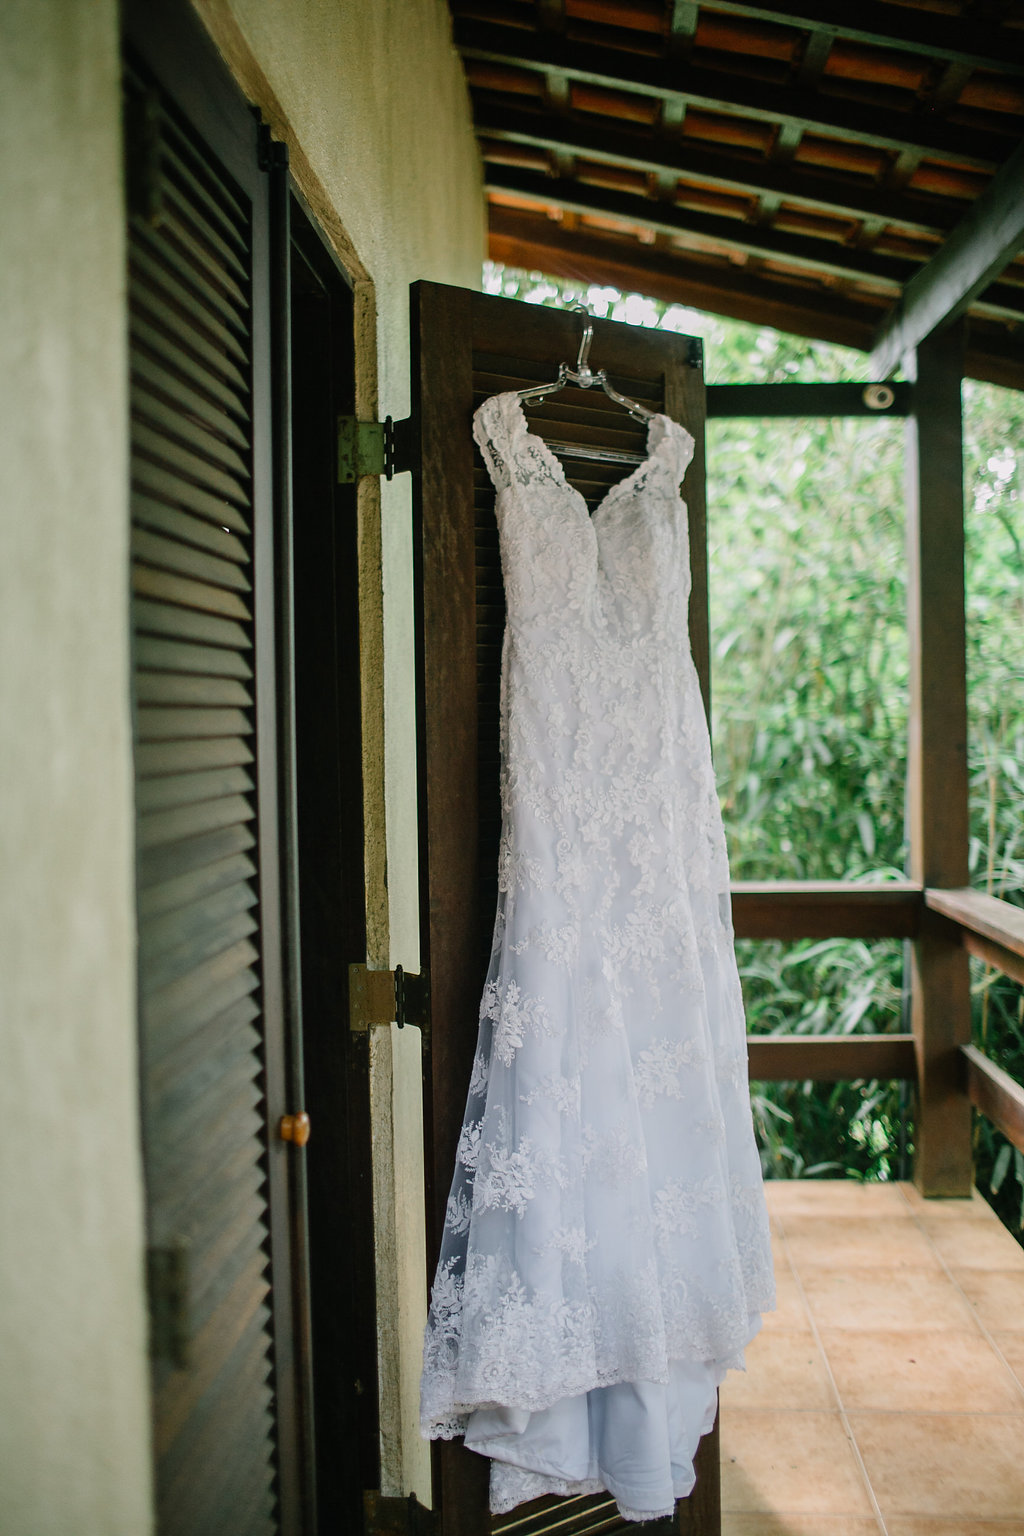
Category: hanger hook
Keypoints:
(582, 366)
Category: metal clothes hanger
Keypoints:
(585, 377)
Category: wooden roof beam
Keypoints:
(813, 111)
(966, 40)
(976, 252)
(816, 255)
(520, 239)
(643, 151)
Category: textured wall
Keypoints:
(74, 1435)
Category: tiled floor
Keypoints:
(885, 1396)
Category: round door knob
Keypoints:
(295, 1128)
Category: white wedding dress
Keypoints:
(606, 1253)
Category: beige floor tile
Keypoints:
(942, 1464)
(785, 1369)
(886, 1299)
(857, 1242)
(921, 1371)
(790, 1461)
(788, 1524)
(1012, 1346)
(970, 1243)
(973, 1206)
(790, 1312)
(833, 1197)
(997, 1297)
(927, 1527)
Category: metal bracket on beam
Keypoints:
(378, 999)
(373, 448)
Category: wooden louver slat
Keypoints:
(201, 920)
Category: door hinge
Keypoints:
(373, 448)
(378, 998)
(167, 1282)
(397, 1517)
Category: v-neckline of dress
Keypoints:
(558, 469)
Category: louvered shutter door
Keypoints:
(208, 965)
(468, 346)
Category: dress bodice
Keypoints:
(620, 573)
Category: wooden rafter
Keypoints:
(809, 110)
(978, 250)
(928, 33)
(823, 256)
(634, 148)
(530, 240)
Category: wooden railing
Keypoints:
(986, 927)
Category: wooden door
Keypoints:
(467, 346)
(224, 1203)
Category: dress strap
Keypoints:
(668, 439)
(493, 428)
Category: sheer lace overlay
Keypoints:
(606, 1253)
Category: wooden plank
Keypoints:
(149, 405)
(985, 915)
(150, 339)
(157, 866)
(179, 656)
(182, 590)
(819, 909)
(175, 688)
(827, 257)
(728, 401)
(937, 824)
(155, 758)
(832, 115)
(167, 485)
(154, 310)
(183, 788)
(157, 618)
(173, 388)
(179, 283)
(156, 445)
(701, 1513)
(988, 237)
(157, 724)
(996, 1094)
(198, 922)
(830, 1058)
(609, 142)
(970, 40)
(538, 244)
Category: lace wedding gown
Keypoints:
(605, 1254)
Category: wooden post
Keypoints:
(937, 757)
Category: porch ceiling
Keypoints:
(797, 162)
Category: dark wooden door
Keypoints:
(224, 1205)
(467, 346)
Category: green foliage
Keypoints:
(810, 676)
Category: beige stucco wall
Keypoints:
(74, 1435)
(372, 102)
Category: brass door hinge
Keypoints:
(397, 1517)
(378, 998)
(373, 448)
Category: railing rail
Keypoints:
(990, 928)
